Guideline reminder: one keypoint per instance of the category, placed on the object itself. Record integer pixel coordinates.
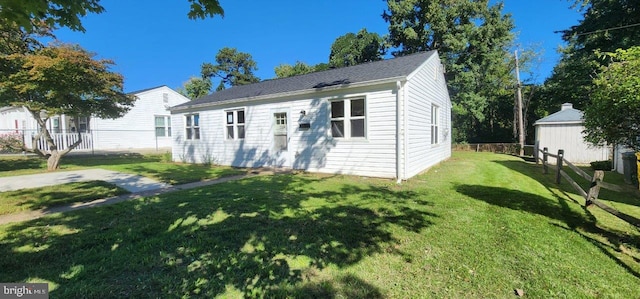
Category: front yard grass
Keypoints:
(479, 225)
(153, 166)
(48, 197)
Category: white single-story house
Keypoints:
(563, 130)
(389, 118)
(146, 126)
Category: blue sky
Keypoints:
(154, 43)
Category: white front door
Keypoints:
(281, 140)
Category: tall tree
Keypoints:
(60, 79)
(300, 68)
(607, 25)
(472, 38)
(352, 49)
(32, 14)
(613, 114)
(232, 67)
(196, 87)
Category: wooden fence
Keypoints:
(504, 148)
(590, 195)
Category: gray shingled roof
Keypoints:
(566, 115)
(362, 73)
(146, 89)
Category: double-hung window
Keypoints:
(235, 124)
(192, 126)
(348, 118)
(163, 125)
(435, 115)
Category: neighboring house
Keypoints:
(146, 126)
(563, 130)
(389, 118)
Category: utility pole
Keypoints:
(519, 107)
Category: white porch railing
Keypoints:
(62, 140)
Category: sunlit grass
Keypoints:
(476, 226)
(51, 196)
(152, 166)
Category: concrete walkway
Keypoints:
(129, 182)
(144, 187)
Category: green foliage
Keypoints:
(63, 79)
(605, 27)
(54, 80)
(351, 49)
(196, 87)
(300, 68)
(472, 38)
(232, 67)
(606, 165)
(613, 115)
(34, 14)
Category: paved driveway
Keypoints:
(130, 182)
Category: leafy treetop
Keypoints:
(32, 14)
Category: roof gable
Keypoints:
(399, 67)
(567, 115)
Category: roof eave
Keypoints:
(570, 122)
(288, 94)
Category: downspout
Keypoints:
(398, 133)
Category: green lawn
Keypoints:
(153, 166)
(48, 197)
(477, 226)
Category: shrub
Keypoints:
(602, 165)
(11, 142)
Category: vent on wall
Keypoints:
(165, 98)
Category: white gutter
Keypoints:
(288, 94)
(398, 133)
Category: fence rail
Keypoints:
(505, 148)
(590, 195)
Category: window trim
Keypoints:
(435, 124)
(193, 128)
(235, 125)
(166, 127)
(347, 119)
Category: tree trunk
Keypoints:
(53, 161)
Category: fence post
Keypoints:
(536, 148)
(595, 188)
(545, 159)
(559, 165)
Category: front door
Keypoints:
(281, 139)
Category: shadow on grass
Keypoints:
(267, 236)
(14, 163)
(48, 197)
(560, 210)
(186, 173)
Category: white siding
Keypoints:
(310, 149)
(425, 87)
(136, 129)
(569, 138)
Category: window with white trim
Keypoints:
(235, 124)
(192, 126)
(163, 125)
(435, 115)
(348, 118)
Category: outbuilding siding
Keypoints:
(569, 138)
